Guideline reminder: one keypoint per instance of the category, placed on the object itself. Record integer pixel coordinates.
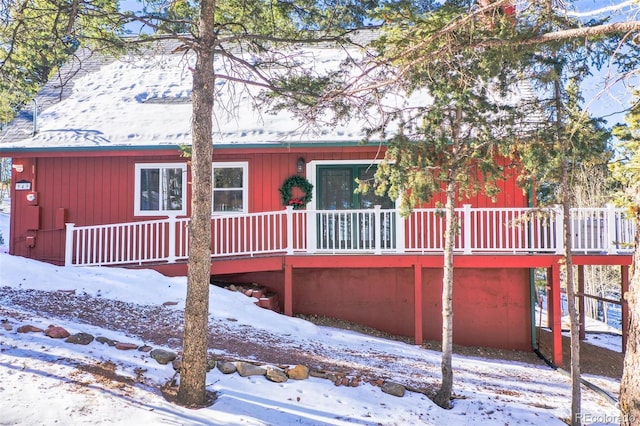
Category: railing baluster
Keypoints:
(612, 243)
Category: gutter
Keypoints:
(248, 146)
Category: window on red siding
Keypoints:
(160, 189)
(230, 192)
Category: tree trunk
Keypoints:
(443, 396)
(574, 319)
(630, 385)
(192, 391)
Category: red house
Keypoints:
(98, 179)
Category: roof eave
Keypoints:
(8, 151)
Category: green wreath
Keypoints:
(298, 182)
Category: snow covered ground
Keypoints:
(46, 381)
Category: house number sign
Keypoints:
(23, 185)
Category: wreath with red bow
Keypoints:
(301, 183)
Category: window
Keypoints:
(230, 193)
(160, 189)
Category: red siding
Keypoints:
(97, 188)
(92, 190)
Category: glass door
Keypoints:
(345, 224)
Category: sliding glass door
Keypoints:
(347, 223)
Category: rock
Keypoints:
(126, 346)
(29, 329)
(145, 348)
(394, 389)
(56, 332)
(299, 372)
(169, 303)
(211, 364)
(80, 339)
(105, 340)
(245, 369)
(319, 374)
(162, 356)
(276, 375)
(176, 364)
(226, 367)
(7, 326)
(332, 377)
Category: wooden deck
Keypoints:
(292, 243)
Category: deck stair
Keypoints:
(266, 299)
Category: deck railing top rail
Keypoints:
(374, 231)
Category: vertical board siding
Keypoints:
(98, 190)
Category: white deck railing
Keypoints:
(372, 231)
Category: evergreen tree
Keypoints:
(451, 143)
(454, 50)
(37, 36)
(627, 171)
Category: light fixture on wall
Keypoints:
(300, 165)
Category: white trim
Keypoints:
(137, 211)
(244, 165)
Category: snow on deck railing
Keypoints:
(362, 231)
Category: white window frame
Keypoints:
(312, 167)
(244, 165)
(137, 186)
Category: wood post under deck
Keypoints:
(555, 312)
(624, 278)
(288, 288)
(417, 291)
(581, 303)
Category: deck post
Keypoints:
(624, 278)
(399, 232)
(556, 315)
(581, 302)
(171, 255)
(559, 218)
(312, 231)
(466, 227)
(417, 291)
(377, 229)
(550, 303)
(288, 288)
(68, 244)
(289, 213)
(611, 229)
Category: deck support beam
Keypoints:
(555, 313)
(581, 303)
(624, 278)
(288, 288)
(417, 292)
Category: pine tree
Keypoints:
(627, 171)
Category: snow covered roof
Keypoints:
(143, 100)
